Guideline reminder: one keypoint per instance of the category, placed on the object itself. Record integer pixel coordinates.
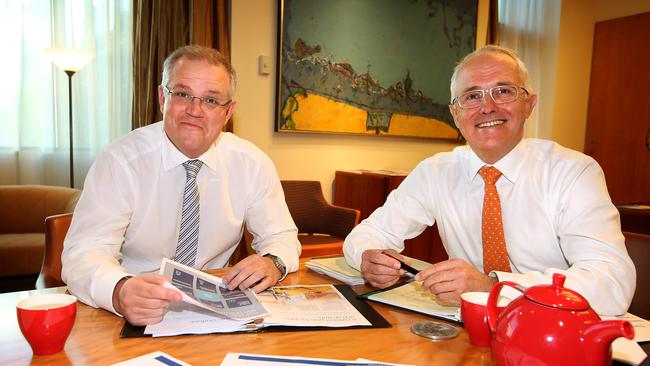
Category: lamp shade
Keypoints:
(69, 59)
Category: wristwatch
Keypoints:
(278, 263)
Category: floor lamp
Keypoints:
(70, 60)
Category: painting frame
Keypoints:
(316, 91)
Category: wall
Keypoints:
(318, 156)
(302, 156)
(575, 45)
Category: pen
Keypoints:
(403, 265)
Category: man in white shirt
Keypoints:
(556, 215)
(132, 212)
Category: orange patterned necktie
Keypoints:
(495, 254)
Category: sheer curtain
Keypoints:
(531, 28)
(34, 143)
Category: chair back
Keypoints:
(56, 228)
(306, 204)
(24, 207)
(638, 247)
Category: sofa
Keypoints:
(23, 209)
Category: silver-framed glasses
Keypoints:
(500, 94)
(186, 98)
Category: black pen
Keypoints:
(403, 265)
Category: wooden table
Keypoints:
(95, 339)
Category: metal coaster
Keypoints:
(434, 330)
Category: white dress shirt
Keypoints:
(128, 215)
(557, 218)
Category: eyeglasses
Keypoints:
(208, 103)
(500, 95)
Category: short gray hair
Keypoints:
(497, 50)
(199, 53)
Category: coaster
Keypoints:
(434, 330)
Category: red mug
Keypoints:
(46, 321)
(473, 313)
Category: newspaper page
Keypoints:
(207, 291)
(309, 305)
(184, 318)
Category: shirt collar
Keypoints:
(172, 157)
(509, 165)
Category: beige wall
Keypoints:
(302, 156)
(318, 156)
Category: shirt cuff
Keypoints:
(105, 300)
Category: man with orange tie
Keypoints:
(507, 208)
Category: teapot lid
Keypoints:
(557, 296)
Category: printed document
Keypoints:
(207, 291)
(413, 297)
(243, 359)
(304, 306)
(208, 307)
(336, 267)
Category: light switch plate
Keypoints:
(264, 65)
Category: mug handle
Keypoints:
(491, 308)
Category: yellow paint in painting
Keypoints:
(317, 113)
(405, 125)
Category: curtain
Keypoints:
(34, 142)
(531, 28)
(161, 26)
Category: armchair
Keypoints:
(322, 227)
(22, 229)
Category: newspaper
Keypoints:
(207, 292)
(309, 306)
(208, 307)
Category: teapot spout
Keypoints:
(603, 333)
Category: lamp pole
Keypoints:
(70, 60)
(70, 73)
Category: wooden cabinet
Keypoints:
(366, 191)
(635, 219)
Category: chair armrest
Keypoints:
(339, 221)
(56, 228)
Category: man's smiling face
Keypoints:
(491, 130)
(191, 126)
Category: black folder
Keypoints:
(375, 319)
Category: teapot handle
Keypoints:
(491, 308)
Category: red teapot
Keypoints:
(551, 325)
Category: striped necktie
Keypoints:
(188, 236)
(495, 253)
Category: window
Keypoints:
(34, 142)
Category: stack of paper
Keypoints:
(337, 267)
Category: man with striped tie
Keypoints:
(507, 208)
(179, 189)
